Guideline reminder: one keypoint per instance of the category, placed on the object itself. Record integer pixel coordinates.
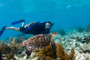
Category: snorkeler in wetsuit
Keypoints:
(31, 28)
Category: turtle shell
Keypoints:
(38, 41)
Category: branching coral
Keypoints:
(79, 39)
(17, 40)
(87, 39)
(10, 56)
(1, 49)
(4, 49)
(8, 51)
(14, 46)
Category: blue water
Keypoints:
(66, 14)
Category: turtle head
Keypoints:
(53, 34)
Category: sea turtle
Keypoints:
(39, 41)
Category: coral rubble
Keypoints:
(85, 48)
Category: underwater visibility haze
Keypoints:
(71, 20)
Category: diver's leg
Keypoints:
(13, 28)
(22, 24)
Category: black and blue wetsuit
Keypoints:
(37, 28)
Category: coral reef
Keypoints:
(15, 47)
(88, 28)
(10, 56)
(87, 39)
(71, 47)
(43, 53)
(62, 32)
(46, 54)
(85, 48)
(80, 29)
(19, 38)
(62, 55)
(8, 51)
(78, 38)
(1, 49)
(83, 52)
(12, 46)
(79, 56)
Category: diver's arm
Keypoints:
(29, 24)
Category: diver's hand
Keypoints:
(29, 24)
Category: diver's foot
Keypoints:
(0, 33)
(2, 30)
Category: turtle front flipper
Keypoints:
(53, 48)
(28, 52)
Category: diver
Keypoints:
(31, 28)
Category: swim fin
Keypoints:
(16, 22)
(0, 33)
(3, 29)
